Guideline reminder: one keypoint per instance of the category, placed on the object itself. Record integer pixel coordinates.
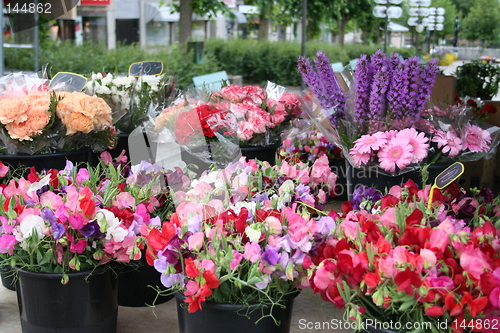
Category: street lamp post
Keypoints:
(418, 10)
(387, 12)
(436, 20)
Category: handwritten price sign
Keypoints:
(70, 82)
(146, 68)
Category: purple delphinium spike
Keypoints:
(427, 80)
(412, 78)
(333, 94)
(396, 89)
(381, 80)
(362, 80)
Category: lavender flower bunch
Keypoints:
(323, 83)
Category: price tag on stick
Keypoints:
(146, 68)
(445, 178)
(70, 82)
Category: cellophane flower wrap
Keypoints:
(396, 258)
(307, 146)
(263, 115)
(36, 120)
(203, 128)
(133, 100)
(379, 116)
(240, 234)
(76, 219)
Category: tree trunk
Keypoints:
(185, 20)
(342, 25)
(265, 21)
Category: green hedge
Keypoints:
(88, 58)
(257, 62)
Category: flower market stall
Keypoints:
(219, 237)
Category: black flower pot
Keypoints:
(44, 161)
(372, 177)
(87, 303)
(8, 277)
(230, 318)
(267, 153)
(135, 285)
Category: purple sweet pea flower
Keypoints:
(93, 230)
(172, 279)
(270, 255)
(48, 215)
(363, 193)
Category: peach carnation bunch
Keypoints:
(37, 122)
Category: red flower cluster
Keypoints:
(205, 120)
(411, 262)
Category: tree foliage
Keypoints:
(482, 21)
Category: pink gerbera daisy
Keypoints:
(359, 158)
(448, 142)
(418, 141)
(370, 142)
(397, 152)
(476, 139)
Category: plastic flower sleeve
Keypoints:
(204, 130)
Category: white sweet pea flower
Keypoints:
(253, 235)
(29, 225)
(38, 185)
(111, 225)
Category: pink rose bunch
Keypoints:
(260, 112)
(405, 262)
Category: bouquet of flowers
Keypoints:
(262, 115)
(396, 260)
(34, 120)
(308, 146)
(69, 220)
(204, 129)
(480, 109)
(370, 122)
(239, 235)
(133, 99)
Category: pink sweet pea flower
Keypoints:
(236, 260)
(7, 243)
(386, 267)
(125, 200)
(196, 240)
(252, 252)
(428, 258)
(350, 228)
(474, 262)
(439, 239)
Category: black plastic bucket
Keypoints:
(87, 303)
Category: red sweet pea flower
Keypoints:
(157, 240)
(191, 270)
(415, 217)
(408, 281)
(434, 311)
(371, 279)
(389, 201)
